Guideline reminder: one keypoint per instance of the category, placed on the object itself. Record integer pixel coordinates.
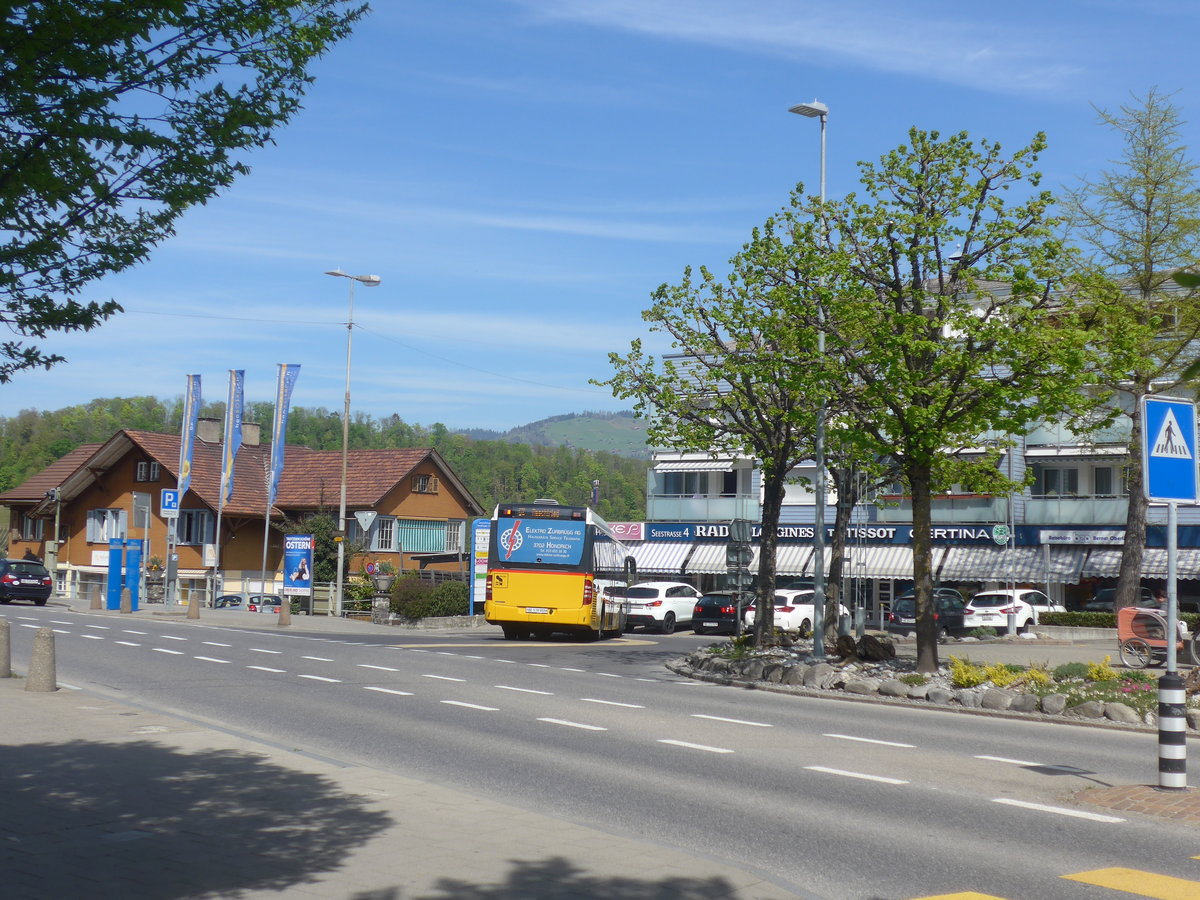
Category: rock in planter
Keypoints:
(939, 695)
(794, 675)
(1054, 704)
(1024, 703)
(862, 686)
(1121, 712)
(773, 673)
(1092, 709)
(996, 698)
(752, 669)
(1193, 715)
(969, 697)
(814, 676)
(876, 649)
(893, 687)
(918, 692)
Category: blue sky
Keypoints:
(523, 173)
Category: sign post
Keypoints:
(738, 554)
(1170, 475)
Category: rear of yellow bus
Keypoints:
(540, 578)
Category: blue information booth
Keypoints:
(124, 571)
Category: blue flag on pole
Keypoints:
(283, 399)
(233, 431)
(187, 440)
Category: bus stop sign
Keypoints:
(1169, 467)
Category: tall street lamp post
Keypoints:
(369, 281)
(814, 110)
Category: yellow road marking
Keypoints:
(1143, 884)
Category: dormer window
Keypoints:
(147, 471)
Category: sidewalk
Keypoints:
(105, 799)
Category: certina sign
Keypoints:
(879, 534)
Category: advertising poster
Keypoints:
(482, 536)
(546, 541)
(297, 565)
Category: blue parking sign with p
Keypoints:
(1169, 459)
(169, 501)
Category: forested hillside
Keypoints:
(493, 470)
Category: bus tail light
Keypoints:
(589, 590)
(487, 588)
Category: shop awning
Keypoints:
(661, 557)
(880, 562)
(692, 465)
(1154, 563)
(1027, 564)
(709, 559)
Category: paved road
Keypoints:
(825, 799)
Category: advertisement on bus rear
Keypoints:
(555, 542)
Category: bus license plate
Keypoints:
(537, 611)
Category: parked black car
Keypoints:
(717, 613)
(25, 579)
(947, 615)
(1103, 599)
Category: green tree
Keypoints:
(1139, 223)
(947, 326)
(115, 118)
(744, 378)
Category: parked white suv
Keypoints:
(793, 612)
(661, 605)
(992, 608)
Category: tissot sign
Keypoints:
(875, 534)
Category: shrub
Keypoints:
(986, 631)
(406, 591)
(965, 674)
(1002, 675)
(1038, 677)
(450, 598)
(913, 678)
(1101, 671)
(1072, 671)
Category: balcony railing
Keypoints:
(954, 509)
(1076, 510)
(701, 508)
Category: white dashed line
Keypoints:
(171, 637)
(472, 657)
(257, 650)
(572, 724)
(321, 678)
(443, 678)
(92, 637)
(60, 631)
(1004, 759)
(318, 658)
(861, 775)
(216, 644)
(101, 627)
(23, 625)
(211, 659)
(1075, 813)
(131, 631)
(611, 703)
(470, 705)
(60, 622)
(540, 666)
(508, 687)
(732, 721)
(610, 675)
(565, 669)
(127, 643)
(695, 746)
(389, 691)
(380, 668)
(172, 652)
(863, 740)
(266, 669)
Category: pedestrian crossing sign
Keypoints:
(1169, 458)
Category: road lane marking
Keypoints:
(470, 705)
(131, 631)
(1005, 759)
(1074, 813)
(443, 678)
(60, 622)
(570, 724)
(1144, 884)
(961, 895)
(258, 650)
(318, 658)
(508, 687)
(473, 657)
(611, 703)
(216, 644)
(321, 678)
(59, 631)
(540, 666)
(23, 625)
(863, 740)
(93, 637)
(565, 669)
(380, 668)
(691, 746)
(102, 627)
(383, 690)
(609, 675)
(211, 659)
(862, 775)
(172, 652)
(171, 637)
(127, 643)
(266, 669)
(731, 721)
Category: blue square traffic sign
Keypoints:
(1169, 459)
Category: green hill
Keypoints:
(622, 433)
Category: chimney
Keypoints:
(209, 430)
(251, 434)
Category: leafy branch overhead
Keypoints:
(115, 118)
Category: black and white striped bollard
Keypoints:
(1172, 733)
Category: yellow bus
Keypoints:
(548, 569)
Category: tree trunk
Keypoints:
(764, 616)
(847, 498)
(1129, 578)
(919, 479)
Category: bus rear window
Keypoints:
(557, 542)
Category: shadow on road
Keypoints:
(139, 819)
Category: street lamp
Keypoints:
(817, 109)
(369, 281)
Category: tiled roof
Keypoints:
(35, 487)
(311, 478)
